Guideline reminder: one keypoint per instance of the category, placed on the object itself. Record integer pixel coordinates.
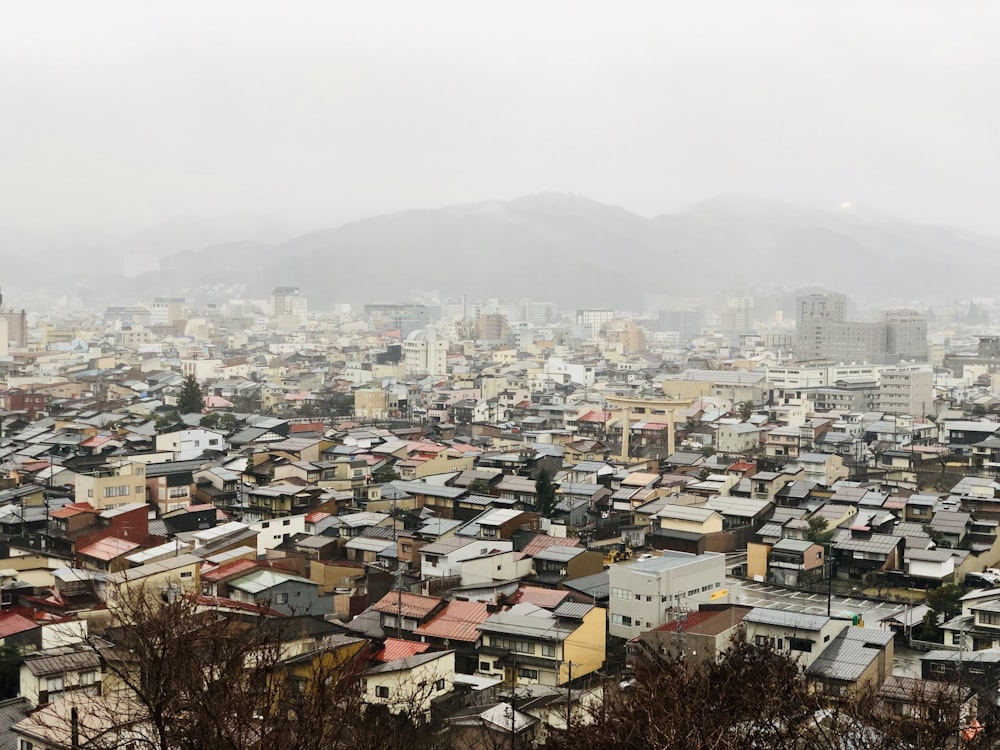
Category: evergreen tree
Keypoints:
(546, 492)
(191, 399)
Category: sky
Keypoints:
(123, 114)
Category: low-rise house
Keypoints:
(702, 635)
(49, 675)
(529, 644)
(410, 685)
(857, 659)
(799, 636)
(281, 591)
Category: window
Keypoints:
(138, 489)
(381, 691)
(548, 649)
(281, 599)
(54, 684)
(617, 593)
(119, 490)
(186, 574)
(175, 491)
(527, 674)
(25, 745)
(265, 524)
(484, 666)
(88, 678)
(286, 522)
(621, 620)
(90, 493)
(439, 684)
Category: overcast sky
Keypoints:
(127, 113)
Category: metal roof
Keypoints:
(573, 610)
(850, 653)
(780, 618)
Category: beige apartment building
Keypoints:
(112, 486)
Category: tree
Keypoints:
(10, 668)
(479, 487)
(745, 411)
(946, 600)
(384, 475)
(546, 493)
(191, 400)
(211, 420)
(819, 531)
(227, 679)
(755, 697)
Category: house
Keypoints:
(278, 590)
(173, 574)
(799, 636)
(646, 593)
(737, 439)
(410, 685)
(444, 558)
(187, 444)
(859, 551)
(856, 659)
(529, 644)
(496, 725)
(456, 626)
(702, 635)
(48, 675)
(558, 563)
(790, 562)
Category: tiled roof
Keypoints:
(12, 623)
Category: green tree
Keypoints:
(10, 669)
(745, 411)
(228, 423)
(546, 492)
(210, 420)
(384, 474)
(191, 400)
(819, 531)
(946, 600)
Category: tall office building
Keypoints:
(814, 307)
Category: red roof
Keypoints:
(228, 569)
(542, 542)
(396, 648)
(95, 441)
(108, 548)
(12, 623)
(595, 416)
(457, 622)
(544, 598)
(71, 509)
(316, 516)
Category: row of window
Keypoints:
(522, 647)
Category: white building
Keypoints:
(424, 352)
(191, 443)
(648, 593)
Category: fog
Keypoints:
(116, 115)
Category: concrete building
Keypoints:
(424, 352)
(815, 307)
(288, 307)
(899, 336)
(648, 592)
(112, 485)
(594, 319)
(907, 391)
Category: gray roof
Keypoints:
(850, 653)
(58, 661)
(573, 610)
(881, 544)
(596, 585)
(780, 618)
(409, 662)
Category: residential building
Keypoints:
(112, 485)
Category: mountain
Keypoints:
(575, 251)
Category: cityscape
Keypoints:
(545, 376)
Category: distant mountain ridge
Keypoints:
(576, 251)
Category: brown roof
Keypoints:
(412, 605)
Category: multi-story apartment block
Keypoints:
(906, 391)
(112, 485)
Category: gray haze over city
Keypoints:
(134, 131)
